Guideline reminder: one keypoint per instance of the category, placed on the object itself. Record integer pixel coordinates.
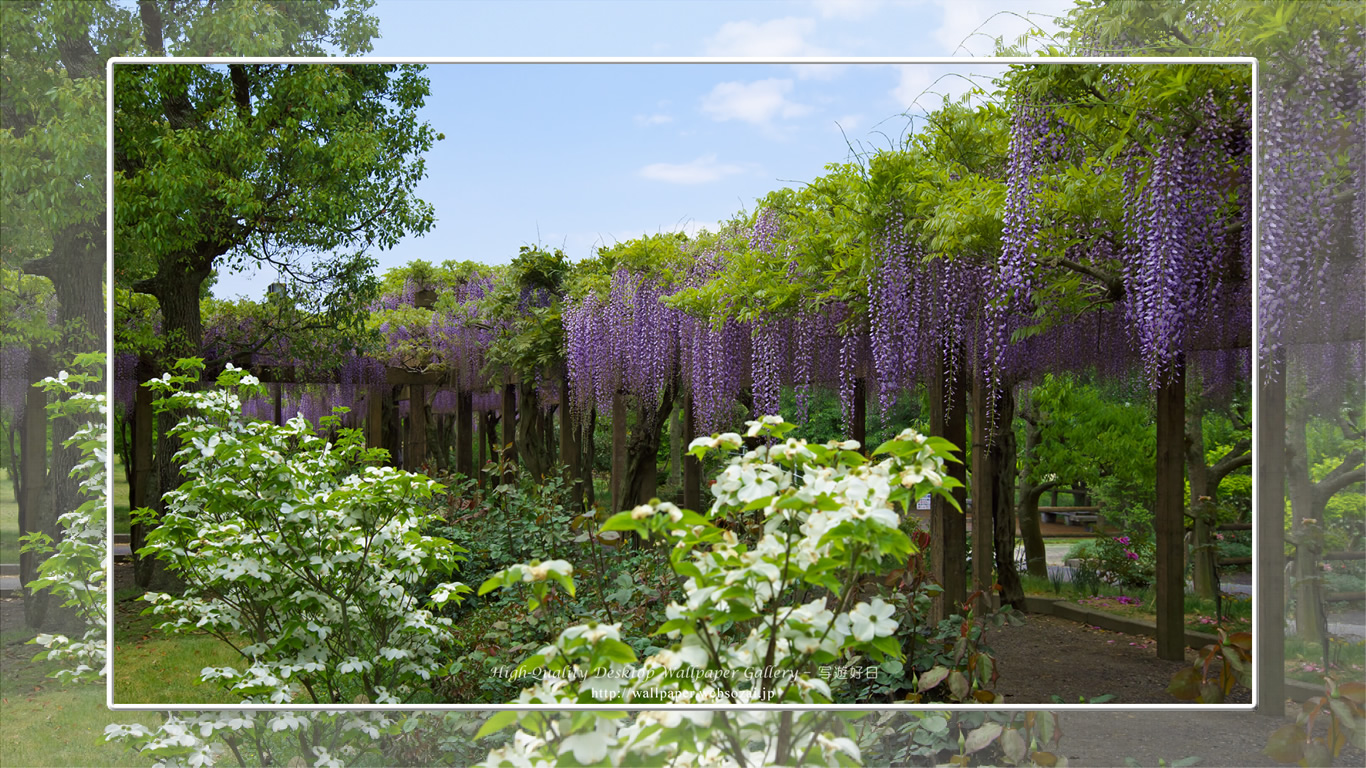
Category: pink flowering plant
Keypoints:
(1127, 561)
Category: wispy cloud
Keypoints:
(846, 9)
(703, 170)
(658, 118)
(772, 38)
(758, 102)
(785, 37)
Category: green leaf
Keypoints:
(1286, 744)
(1185, 685)
(981, 737)
(498, 722)
(931, 678)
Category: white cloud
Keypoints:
(845, 9)
(758, 102)
(703, 170)
(769, 39)
(658, 118)
(848, 124)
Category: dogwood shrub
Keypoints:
(74, 569)
(758, 624)
(299, 552)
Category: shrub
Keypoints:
(761, 623)
(299, 553)
(73, 569)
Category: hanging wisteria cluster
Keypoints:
(1313, 134)
(626, 341)
(1177, 229)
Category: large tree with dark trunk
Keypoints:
(303, 169)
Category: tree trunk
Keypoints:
(859, 421)
(1269, 609)
(675, 447)
(642, 469)
(618, 451)
(510, 419)
(415, 452)
(1031, 531)
(393, 426)
(531, 444)
(948, 526)
(587, 454)
(1308, 536)
(176, 288)
(983, 494)
(1202, 554)
(692, 466)
(464, 437)
(1003, 502)
(1169, 522)
(140, 491)
(35, 513)
(570, 435)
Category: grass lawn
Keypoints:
(1304, 660)
(153, 667)
(1140, 604)
(119, 502)
(49, 723)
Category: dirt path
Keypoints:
(1048, 656)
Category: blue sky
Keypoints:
(577, 156)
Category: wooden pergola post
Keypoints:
(464, 432)
(140, 491)
(32, 475)
(415, 453)
(618, 450)
(569, 450)
(482, 440)
(859, 418)
(1268, 682)
(948, 526)
(509, 452)
(1170, 513)
(692, 466)
(374, 416)
(983, 495)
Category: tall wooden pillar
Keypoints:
(32, 475)
(374, 416)
(1170, 513)
(1268, 684)
(983, 493)
(509, 452)
(464, 432)
(140, 491)
(859, 418)
(482, 439)
(415, 452)
(948, 526)
(279, 404)
(569, 450)
(618, 450)
(692, 466)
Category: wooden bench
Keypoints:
(1070, 515)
